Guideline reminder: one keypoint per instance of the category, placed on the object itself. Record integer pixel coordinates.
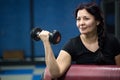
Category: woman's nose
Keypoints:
(81, 22)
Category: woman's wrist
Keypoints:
(46, 42)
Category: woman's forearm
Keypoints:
(51, 61)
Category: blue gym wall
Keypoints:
(15, 25)
(16, 19)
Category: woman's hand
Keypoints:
(44, 35)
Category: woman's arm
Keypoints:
(56, 67)
(117, 59)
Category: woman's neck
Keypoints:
(89, 38)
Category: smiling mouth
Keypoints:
(83, 28)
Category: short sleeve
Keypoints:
(116, 49)
(68, 47)
(115, 44)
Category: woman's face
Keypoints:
(86, 22)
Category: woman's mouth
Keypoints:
(83, 28)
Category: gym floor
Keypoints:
(22, 72)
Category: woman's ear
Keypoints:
(98, 22)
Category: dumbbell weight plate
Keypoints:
(55, 37)
(34, 33)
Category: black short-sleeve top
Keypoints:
(81, 55)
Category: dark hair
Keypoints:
(94, 10)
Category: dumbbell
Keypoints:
(54, 37)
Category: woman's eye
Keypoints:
(78, 19)
(86, 18)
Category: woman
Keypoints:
(91, 46)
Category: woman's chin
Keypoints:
(83, 32)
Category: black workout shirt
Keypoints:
(81, 55)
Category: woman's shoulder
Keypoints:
(76, 38)
(112, 43)
(111, 38)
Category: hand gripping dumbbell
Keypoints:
(54, 37)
